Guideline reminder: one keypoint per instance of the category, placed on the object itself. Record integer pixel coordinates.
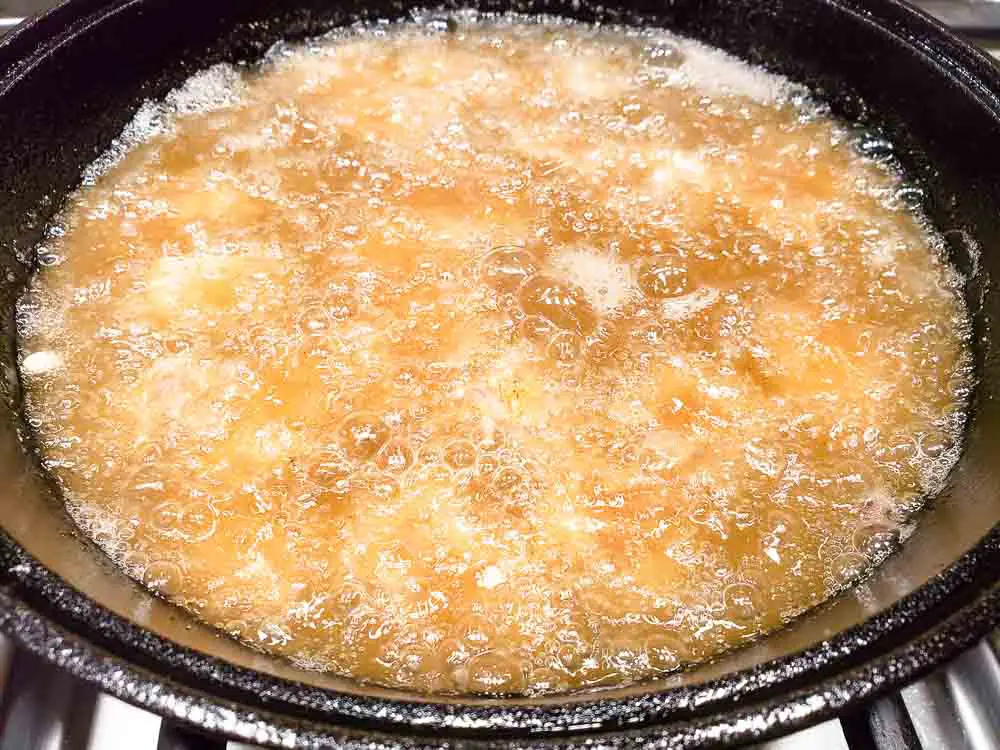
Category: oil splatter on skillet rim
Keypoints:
(935, 622)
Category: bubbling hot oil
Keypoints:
(515, 359)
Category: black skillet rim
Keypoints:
(925, 628)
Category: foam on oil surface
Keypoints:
(517, 357)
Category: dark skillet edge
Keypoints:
(30, 40)
(734, 721)
(919, 632)
(925, 628)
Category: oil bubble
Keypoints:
(487, 465)
(876, 541)
(362, 435)
(537, 329)
(664, 651)
(848, 567)
(564, 305)
(565, 347)
(546, 679)
(460, 454)
(495, 672)
(506, 479)
(430, 453)
(910, 196)
(662, 54)
(573, 657)
(331, 478)
(874, 147)
(506, 267)
(396, 457)
(382, 486)
(163, 577)
(165, 517)
(477, 633)
(197, 521)
(743, 601)
(660, 279)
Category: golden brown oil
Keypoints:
(521, 358)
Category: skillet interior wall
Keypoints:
(57, 116)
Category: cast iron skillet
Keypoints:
(69, 81)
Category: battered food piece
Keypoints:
(518, 357)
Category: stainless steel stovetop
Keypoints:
(955, 708)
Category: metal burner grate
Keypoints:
(973, 17)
